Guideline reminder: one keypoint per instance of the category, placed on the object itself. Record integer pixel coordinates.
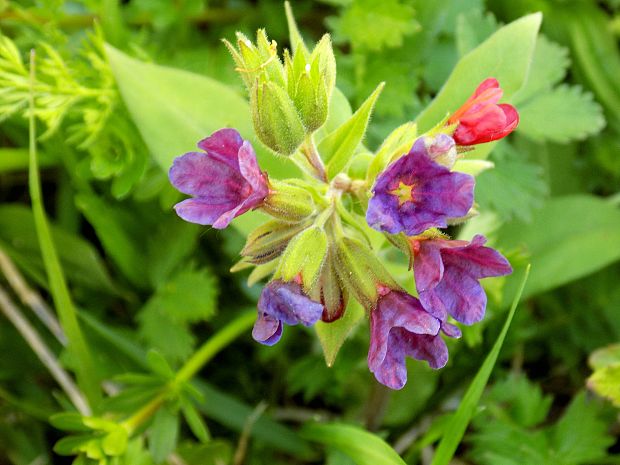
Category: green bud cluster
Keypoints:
(289, 98)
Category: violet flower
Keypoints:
(415, 193)
(225, 182)
(400, 327)
(447, 273)
(283, 302)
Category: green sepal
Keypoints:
(288, 202)
(256, 62)
(269, 240)
(338, 147)
(329, 289)
(304, 256)
(276, 120)
(361, 271)
(472, 167)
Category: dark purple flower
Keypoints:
(415, 193)
(282, 302)
(447, 273)
(225, 182)
(399, 327)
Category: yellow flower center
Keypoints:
(403, 192)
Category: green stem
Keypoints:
(212, 346)
(86, 372)
(205, 353)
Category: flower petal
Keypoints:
(223, 145)
(250, 170)
(267, 330)
(200, 211)
(427, 265)
(202, 175)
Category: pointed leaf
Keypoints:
(332, 335)
(339, 146)
(363, 447)
(458, 424)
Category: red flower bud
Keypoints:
(481, 119)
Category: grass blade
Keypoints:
(456, 429)
(86, 373)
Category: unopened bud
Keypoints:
(276, 120)
(442, 149)
(288, 202)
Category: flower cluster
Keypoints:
(315, 247)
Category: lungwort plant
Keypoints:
(322, 245)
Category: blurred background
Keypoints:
(141, 279)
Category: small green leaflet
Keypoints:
(363, 447)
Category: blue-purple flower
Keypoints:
(224, 180)
(283, 302)
(400, 327)
(447, 273)
(415, 193)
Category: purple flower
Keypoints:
(282, 302)
(225, 182)
(399, 327)
(447, 273)
(415, 193)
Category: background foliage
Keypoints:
(149, 299)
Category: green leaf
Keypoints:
(68, 421)
(160, 331)
(521, 399)
(580, 436)
(561, 115)
(363, 447)
(163, 433)
(506, 56)
(230, 412)
(70, 445)
(473, 167)
(473, 28)
(560, 254)
(80, 261)
(159, 365)
(332, 335)
(338, 147)
(548, 68)
(162, 261)
(458, 424)
(195, 421)
(189, 297)
(88, 376)
(514, 188)
(111, 226)
(374, 24)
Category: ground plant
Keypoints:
(319, 231)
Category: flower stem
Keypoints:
(215, 343)
(309, 150)
(205, 353)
